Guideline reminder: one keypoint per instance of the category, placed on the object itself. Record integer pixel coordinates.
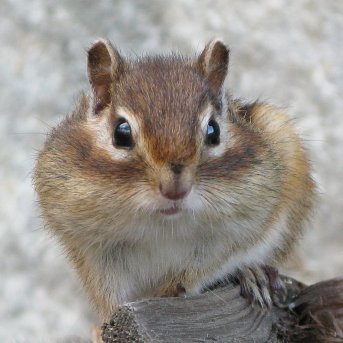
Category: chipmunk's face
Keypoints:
(161, 119)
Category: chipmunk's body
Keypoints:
(159, 180)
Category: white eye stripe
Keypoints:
(205, 117)
(102, 133)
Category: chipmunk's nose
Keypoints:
(174, 191)
(178, 182)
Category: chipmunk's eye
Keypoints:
(122, 136)
(213, 133)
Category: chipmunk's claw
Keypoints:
(260, 285)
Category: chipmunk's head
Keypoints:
(159, 118)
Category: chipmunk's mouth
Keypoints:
(170, 210)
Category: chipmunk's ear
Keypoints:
(213, 63)
(104, 68)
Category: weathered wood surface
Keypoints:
(310, 314)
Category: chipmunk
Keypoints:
(159, 183)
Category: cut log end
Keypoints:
(308, 314)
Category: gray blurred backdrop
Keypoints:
(287, 52)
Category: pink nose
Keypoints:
(174, 193)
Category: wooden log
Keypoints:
(222, 315)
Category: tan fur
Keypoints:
(249, 196)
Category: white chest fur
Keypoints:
(127, 271)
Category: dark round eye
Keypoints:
(213, 133)
(122, 136)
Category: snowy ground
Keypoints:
(289, 52)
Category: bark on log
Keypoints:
(308, 314)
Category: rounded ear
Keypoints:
(104, 65)
(213, 64)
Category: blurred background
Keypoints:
(286, 52)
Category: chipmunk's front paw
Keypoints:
(260, 285)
